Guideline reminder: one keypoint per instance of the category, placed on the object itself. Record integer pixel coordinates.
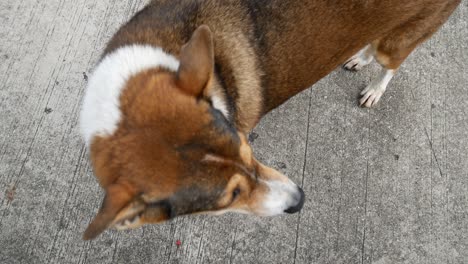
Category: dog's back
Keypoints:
(280, 37)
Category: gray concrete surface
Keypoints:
(386, 185)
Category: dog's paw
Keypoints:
(357, 62)
(360, 59)
(370, 96)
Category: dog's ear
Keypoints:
(117, 197)
(196, 62)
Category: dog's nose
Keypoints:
(296, 208)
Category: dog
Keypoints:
(168, 106)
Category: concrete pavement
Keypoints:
(383, 185)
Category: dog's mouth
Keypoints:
(130, 217)
(128, 223)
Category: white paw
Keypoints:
(357, 62)
(360, 59)
(371, 95)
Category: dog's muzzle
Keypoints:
(282, 197)
(300, 202)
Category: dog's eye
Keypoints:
(235, 193)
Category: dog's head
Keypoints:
(175, 154)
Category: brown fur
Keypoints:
(172, 154)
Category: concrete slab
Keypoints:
(386, 185)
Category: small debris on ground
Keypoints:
(281, 165)
(178, 243)
(252, 137)
(85, 76)
(48, 110)
(10, 193)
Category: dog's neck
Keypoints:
(101, 106)
(238, 76)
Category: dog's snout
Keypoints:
(296, 208)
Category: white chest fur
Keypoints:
(100, 112)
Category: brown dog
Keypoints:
(179, 86)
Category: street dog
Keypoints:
(168, 106)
